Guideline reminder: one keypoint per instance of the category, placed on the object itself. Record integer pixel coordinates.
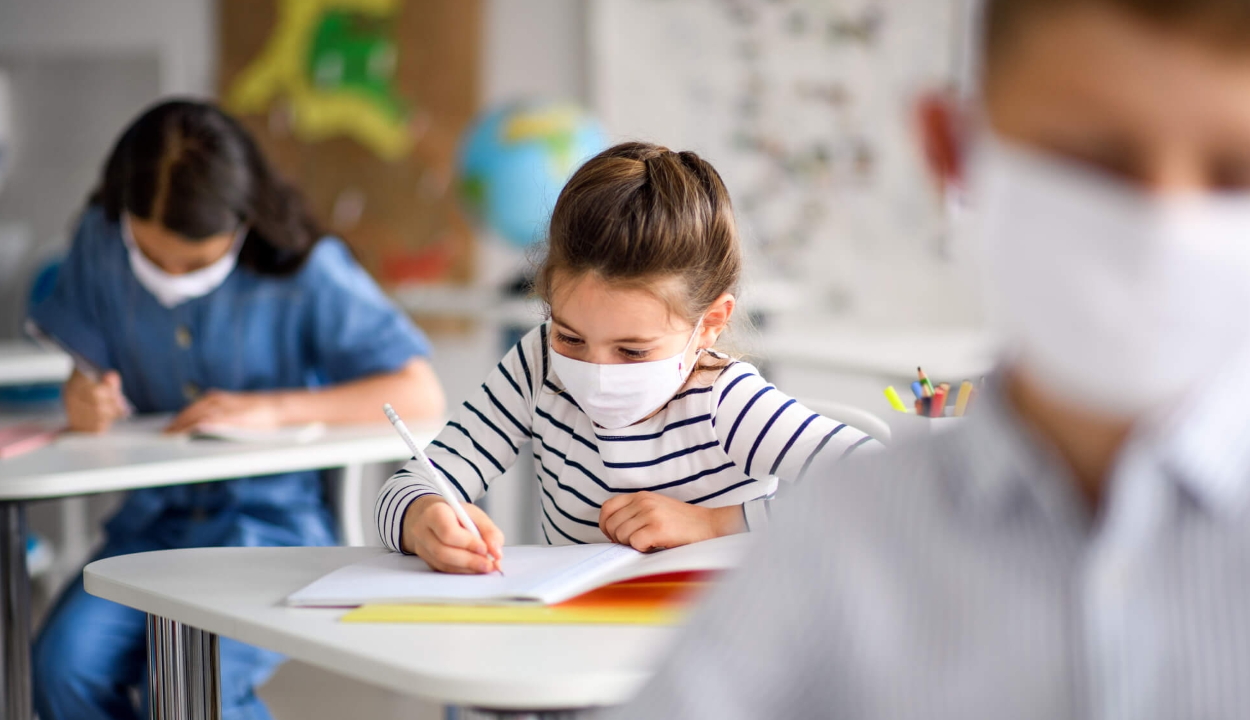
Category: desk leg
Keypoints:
(15, 614)
(183, 672)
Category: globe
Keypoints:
(514, 161)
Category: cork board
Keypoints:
(361, 103)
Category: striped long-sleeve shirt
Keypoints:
(723, 440)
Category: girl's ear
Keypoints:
(716, 320)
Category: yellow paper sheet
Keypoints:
(539, 615)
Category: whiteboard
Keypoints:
(804, 106)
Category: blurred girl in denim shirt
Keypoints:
(199, 280)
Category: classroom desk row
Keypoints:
(86, 466)
(194, 596)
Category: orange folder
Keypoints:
(655, 600)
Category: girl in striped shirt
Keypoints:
(641, 433)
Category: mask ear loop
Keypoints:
(681, 367)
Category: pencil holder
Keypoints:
(909, 425)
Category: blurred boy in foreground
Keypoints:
(1081, 546)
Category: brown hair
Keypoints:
(1225, 23)
(638, 214)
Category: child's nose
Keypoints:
(603, 356)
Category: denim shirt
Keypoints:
(325, 324)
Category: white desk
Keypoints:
(23, 362)
(90, 465)
(493, 305)
(890, 353)
(236, 592)
(85, 466)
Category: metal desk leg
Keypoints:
(14, 614)
(183, 672)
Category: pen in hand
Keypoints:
(89, 370)
(440, 483)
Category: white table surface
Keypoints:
(237, 593)
(82, 465)
(493, 305)
(22, 362)
(949, 354)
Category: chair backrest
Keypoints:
(858, 418)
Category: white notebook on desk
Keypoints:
(540, 575)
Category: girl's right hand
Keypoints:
(432, 533)
(94, 407)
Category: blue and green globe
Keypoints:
(515, 160)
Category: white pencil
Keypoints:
(440, 483)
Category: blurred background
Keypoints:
(433, 136)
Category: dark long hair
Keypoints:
(197, 172)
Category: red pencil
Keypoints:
(939, 400)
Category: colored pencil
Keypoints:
(939, 400)
(965, 395)
(925, 383)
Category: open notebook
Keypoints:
(540, 575)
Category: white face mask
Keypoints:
(1120, 301)
(173, 290)
(617, 396)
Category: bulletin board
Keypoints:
(805, 108)
(361, 103)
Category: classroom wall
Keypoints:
(533, 48)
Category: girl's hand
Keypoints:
(432, 533)
(248, 410)
(91, 406)
(647, 521)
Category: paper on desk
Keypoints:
(298, 434)
(134, 430)
(20, 439)
(535, 575)
(662, 600)
(150, 429)
(514, 615)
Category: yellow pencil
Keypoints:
(965, 394)
(896, 402)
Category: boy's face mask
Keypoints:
(1119, 300)
(617, 396)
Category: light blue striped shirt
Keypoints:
(962, 576)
